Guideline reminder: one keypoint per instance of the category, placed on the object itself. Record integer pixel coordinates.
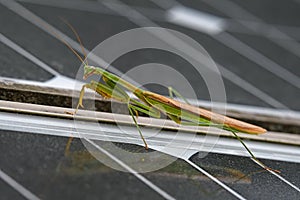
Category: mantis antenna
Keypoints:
(78, 39)
(66, 43)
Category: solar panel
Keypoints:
(256, 53)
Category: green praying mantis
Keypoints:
(152, 104)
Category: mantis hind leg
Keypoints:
(242, 142)
(173, 92)
(252, 155)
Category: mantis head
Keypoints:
(88, 71)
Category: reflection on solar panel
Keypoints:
(255, 48)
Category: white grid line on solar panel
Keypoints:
(27, 55)
(17, 186)
(58, 81)
(237, 195)
(132, 171)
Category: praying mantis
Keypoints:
(153, 104)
